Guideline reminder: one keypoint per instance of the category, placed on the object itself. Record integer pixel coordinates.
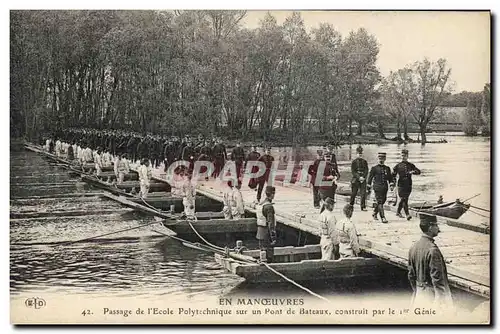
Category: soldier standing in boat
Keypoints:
(347, 235)
(381, 176)
(144, 177)
(237, 205)
(328, 231)
(189, 197)
(226, 200)
(427, 271)
(404, 170)
(266, 223)
(359, 169)
(120, 169)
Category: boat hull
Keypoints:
(307, 270)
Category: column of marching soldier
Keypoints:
(105, 146)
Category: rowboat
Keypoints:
(453, 209)
(301, 264)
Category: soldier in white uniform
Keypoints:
(237, 206)
(144, 177)
(347, 235)
(327, 230)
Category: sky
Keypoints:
(462, 38)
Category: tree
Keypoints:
(399, 96)
(486, 110)
(360, 76)
(432, 84)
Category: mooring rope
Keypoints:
(293, 282)
(477, 213)
(265, 264)
(204, 240)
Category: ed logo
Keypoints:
(35, 302)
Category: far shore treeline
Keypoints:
(202, 72)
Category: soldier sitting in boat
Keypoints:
(266, 223)
(347, 234)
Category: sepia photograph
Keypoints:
(250, 167)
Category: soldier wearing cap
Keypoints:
(327, 230)
(266, 222)
(347, 234)
(404, 170)
(238, 156)
(381, 176)
(427, 271)
(313, 172)
(359, 170)
(252, 156)
(268, 160)
(219, 157)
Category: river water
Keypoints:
(457, 169)
(147, 266)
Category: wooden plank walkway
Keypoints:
(466, 251)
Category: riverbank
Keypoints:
(355, 140)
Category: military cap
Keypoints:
(427, 219)
(348, 208)
(359, 149)
(404, 151)
(270, 189)
(382, 154)
(330, 201)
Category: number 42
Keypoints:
(86, 312)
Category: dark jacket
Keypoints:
(402, 170)
(426, 266)
(381, 176)
(359, 168)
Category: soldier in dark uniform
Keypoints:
(381, 176)
(359, 169)
(238, 156)
(404, 170)
(427, 271)
(219, 157)
(313, 171)
(332, 159)
(167, 154)
(268, 160)
(188, 154)
(252, 156)
(132, 148)
(206, 149)
(143, 149)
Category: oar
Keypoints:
(468, 199)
